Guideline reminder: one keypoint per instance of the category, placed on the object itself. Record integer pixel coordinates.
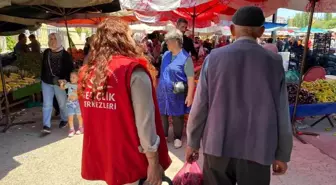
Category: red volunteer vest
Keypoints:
(110, 146)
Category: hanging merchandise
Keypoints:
(321, 53)
(330, 64)
(321, 47)
(295, 58)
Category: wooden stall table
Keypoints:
(19, 96)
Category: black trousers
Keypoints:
(231, 171)
(178, 125)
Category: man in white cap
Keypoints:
(240, 110)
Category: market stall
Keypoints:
(17, 87)
(42, 11)
(317, 97)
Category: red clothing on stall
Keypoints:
(111, 143)
(310, 44)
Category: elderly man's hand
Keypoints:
(191, 155)
(279, 167)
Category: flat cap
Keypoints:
(251, 16)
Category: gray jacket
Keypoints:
(240, 108)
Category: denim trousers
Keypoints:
(48, 92)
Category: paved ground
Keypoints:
(326, 142)
(27, 159)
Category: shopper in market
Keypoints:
(87, 45)
(280, 44)
(177, 69)
(115, 88)
(141, 41)
(271, 46)
(34, 45)
(72, 104)
(21, 46)
(188, 43)
(56, 65)
(241, 109)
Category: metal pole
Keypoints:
(67, 30)
(305, 52)
(193, 22)
(274, 20)
(4, 89)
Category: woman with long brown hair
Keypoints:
(124, 140)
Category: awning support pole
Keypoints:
(305, 52)
(68, 34)
(193, 22)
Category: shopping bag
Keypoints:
(190, 174)
(292, 76)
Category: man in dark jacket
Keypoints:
(34, 45)
(21, 46)
(242, 120)
(188, 43)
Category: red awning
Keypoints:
(206, 13)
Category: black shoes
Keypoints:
(46, 130)
(63, 124)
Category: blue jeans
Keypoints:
(48, 92)
(73, 108)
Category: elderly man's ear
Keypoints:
(232, 29)
(261, 32)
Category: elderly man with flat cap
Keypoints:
(240, 110)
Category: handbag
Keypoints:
(180, 87)
(55, 78)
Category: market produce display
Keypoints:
(17, 80)
(323, 90)
(77, 54)
(305, 97)
(29, 62)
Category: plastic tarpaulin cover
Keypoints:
(204, 12)
(313, 109)
(167, 5)
(321, 5)
(57, 3)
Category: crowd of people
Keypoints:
(286, 44)
(131, 84)
(22, 46)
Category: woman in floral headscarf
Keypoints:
(56, 65)
(141, 41)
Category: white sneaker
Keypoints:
(177, 143)
(71, 133)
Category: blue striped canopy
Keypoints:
(313, 30)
